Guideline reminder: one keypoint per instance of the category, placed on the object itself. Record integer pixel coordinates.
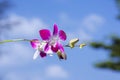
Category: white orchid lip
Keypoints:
(36, 54)
(39, 48)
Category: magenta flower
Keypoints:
(51, 43)
(39, 46)
(53, 40)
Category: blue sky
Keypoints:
(89, 20)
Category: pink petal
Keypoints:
(45, 34)
(62, 35)
(55, 49)
(61, 48)
(46, 47)
(55, 31)
(35, 43)
(42, 54)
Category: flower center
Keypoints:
(53, 40)
(41, 46)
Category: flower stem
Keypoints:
(80, 46)
(18, 40)
(13, 40)
(69, 46)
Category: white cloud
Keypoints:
(92, 22)
(20, 53)
(28, 28)
(66, 20)
(25, 27)
(21, 76)
(51, 72)
(56, 71)
(12, 76)
(84, 28)
(15, 54)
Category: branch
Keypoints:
(13, 40)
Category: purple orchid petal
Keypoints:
(35, 43)
(45, 34)
(62, 35)
(46, 47)
(42, 54)
(55, 31)
(61, 48)
(55, 49)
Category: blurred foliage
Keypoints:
(118, 6)
(5, 23)
(113, 62)
(109, 64)
(114, 58)
(4, 6)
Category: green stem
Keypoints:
(69, 46)
(13, 40)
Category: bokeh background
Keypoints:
(88, 20)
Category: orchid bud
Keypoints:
(61, 55)
(82, 45)
(73, 42)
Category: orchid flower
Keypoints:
(50, 43)
(53, 40)
(35, 43)
(39, 46)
